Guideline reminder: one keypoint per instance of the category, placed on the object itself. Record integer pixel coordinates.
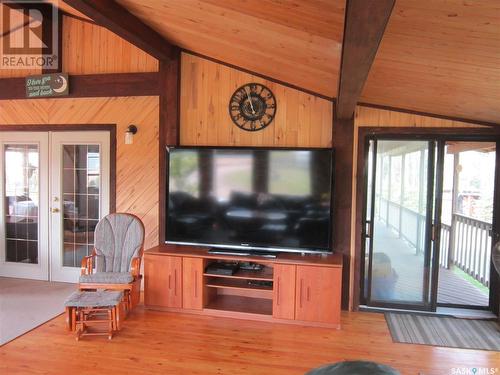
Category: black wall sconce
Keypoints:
(129, 134)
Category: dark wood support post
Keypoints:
(364, 26)
(343, 138)
(169, 132)
(92, 86)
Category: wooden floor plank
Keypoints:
(167, 343)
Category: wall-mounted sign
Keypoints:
(47, 85)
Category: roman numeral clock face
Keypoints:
(252, 107)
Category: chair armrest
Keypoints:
(135, 267)
(88, 264)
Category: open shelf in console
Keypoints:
(241, 304)
(246, 291)
(242, 285)
(266, 274)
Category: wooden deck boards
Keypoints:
(456, 290)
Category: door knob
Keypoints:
(55, 210)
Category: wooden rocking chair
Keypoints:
(115, 262)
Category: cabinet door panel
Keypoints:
(318, 294)
(192, 283)
(162, 281)
(284, 291)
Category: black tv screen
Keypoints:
(242, 198)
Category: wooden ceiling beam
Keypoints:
(92, 86)
(365, 23)
(119, 20)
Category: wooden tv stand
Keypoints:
(306, 289)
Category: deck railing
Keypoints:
(409, 224)
(466, 243)
(471, 248)
(445, 245)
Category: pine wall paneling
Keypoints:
(92, 49)
(137, 165)
(302, 120)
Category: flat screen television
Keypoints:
(250, 199)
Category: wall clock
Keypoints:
(252, 107)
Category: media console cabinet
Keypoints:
(300, 289)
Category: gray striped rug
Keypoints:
(444, 331)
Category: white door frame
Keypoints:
(58, 272)
(38, 271)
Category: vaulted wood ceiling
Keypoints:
(298, 42)
(440, 56)
(437, 56)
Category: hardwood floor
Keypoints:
(167, 343)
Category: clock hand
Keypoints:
(247, 90)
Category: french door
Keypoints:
(79, 197)
(24, 219)
(54, 188)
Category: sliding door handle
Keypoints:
(369, 229)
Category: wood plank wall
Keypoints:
(137, 165)
(91, 49)
(302, 120)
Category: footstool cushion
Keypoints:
(101, 298)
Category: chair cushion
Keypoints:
(117, 239)
(107, 278)
(94, 299)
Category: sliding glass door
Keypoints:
(429, 222)
(398, 223)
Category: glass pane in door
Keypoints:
(467, 222)
(399, 273)
(81, 197)
(21, 202)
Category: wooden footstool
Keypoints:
(85, 309)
